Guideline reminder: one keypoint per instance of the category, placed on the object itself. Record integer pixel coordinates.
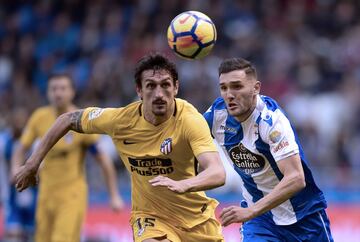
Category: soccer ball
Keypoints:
(191, 35)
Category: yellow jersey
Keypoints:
(168, 149)
(64, 164)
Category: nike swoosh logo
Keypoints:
(127, 142)
(182, 21)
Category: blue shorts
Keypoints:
(20, 210)
(313, 228)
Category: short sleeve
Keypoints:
(98, 120)
(30, 133)
(198, 134)
(280, 137)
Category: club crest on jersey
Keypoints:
(95, 113)
(166, 146)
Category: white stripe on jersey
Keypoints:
(220, 117)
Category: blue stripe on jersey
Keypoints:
(231, 138)
(250, 185)
(270, 103)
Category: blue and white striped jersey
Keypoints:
(254, 147)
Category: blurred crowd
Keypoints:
(307, 54)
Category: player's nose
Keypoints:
(229, 95)
(159, 92)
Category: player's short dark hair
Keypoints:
(62, 75)
(233, 64)
(155, 61)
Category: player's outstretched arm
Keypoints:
(212, 175)
(107, 166)
(292, 182)
(65, 122)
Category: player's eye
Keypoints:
(236, 86)
(165, 85)
(223, 88)
(150, 85)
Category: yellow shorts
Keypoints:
(147, 227)
(60, 215)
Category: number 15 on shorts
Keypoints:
(142, 223)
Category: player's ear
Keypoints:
(257, 88)
(139, 92)
(176, 87)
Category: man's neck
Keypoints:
(245, 116)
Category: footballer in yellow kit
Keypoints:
(62, 197)
(168, 149)
(61, 194)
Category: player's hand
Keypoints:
(117, 204)
(13, 171)
(26, 176)
(235, 214)
(175, 186)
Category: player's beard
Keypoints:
(159, 107)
